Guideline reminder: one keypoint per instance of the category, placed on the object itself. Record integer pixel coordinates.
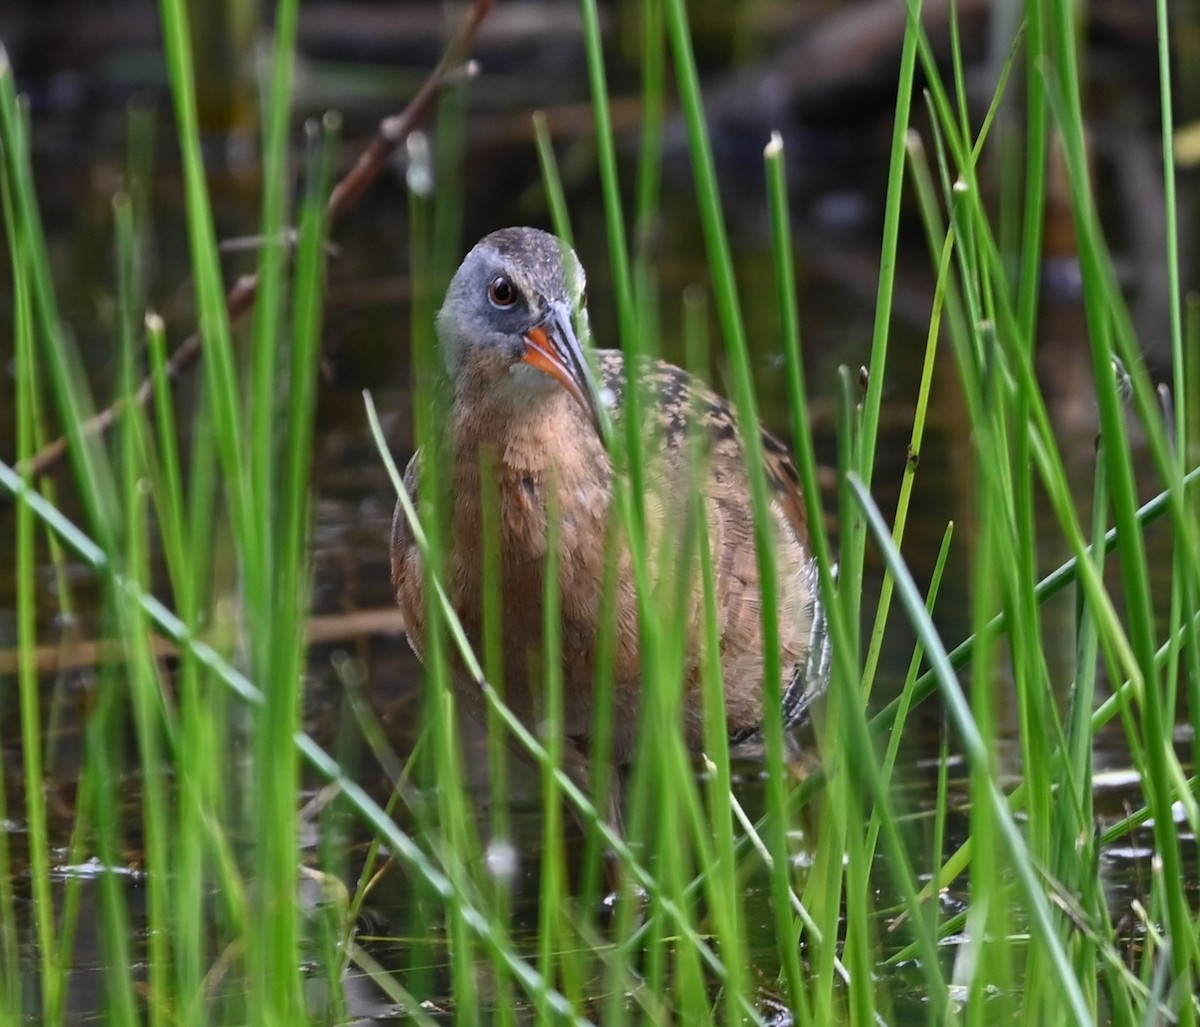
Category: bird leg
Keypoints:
(576, 765)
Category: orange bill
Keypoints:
(553, 349)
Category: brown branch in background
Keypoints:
(240, 300)
(80, 655)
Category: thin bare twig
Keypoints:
(77, 655)
(392, 132)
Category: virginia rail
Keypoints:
(527, 407)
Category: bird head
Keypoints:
(506, 323)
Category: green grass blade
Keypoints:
(732, 326)
(1038, 908)
(49, 967)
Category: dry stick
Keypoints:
(240, 300)
(321, 629)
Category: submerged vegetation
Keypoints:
(194, 526)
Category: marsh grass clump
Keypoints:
(833, 895)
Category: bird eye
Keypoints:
(502, 292)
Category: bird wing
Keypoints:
(693, 443)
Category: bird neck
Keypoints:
(531, 432)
